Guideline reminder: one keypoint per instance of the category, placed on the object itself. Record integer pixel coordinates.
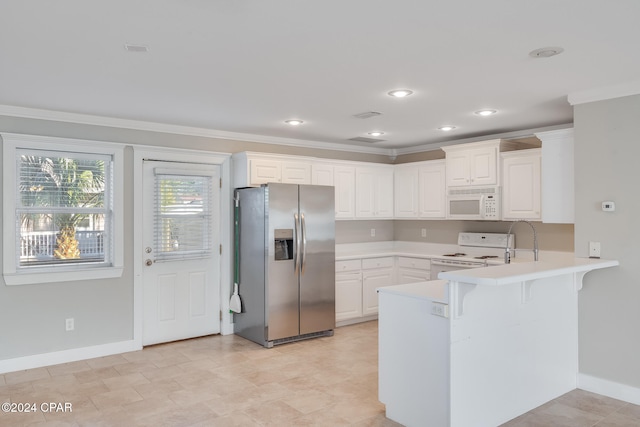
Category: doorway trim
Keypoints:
(142, 153)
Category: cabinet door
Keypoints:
(348, 296)
(431, 178)
(458, 168)
(345, 184)
(265, 171)
(365, 192)
(321, 174)
(483, 166)
(521, 185)
(296, 173)
(406, 194)
(383, 193)
(371, 280)
(412, 275)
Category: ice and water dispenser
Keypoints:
(283, 244)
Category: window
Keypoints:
(62, 211)
(182, 223)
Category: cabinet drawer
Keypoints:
(420, 263)
(383, 262)
(348, 265)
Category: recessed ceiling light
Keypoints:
(546, 52)
(294, 122)
(375, 133)
(446, 128)
(400, 93)
(485, 112)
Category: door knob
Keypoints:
(148, 263)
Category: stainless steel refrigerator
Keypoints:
(286, 262)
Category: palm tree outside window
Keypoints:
(64, 210)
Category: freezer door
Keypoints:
(281, 281)
(317, 269)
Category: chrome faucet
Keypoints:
(507, 250)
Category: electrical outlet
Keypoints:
(423, 232)
(594, 249)
(439, 309)
(69, 324)
(373, 232)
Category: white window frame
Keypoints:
(24, 276)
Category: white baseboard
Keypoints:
(608, 388)
(65, 356)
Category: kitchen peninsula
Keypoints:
(480, 346)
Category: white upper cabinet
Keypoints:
(322, 174)
(472, 164)
(294, 172)
(262, 171)
(374, 192)
(344, 181)
(521, 184)
(420, 190)
(255, 169)
(406, 193)
(557, 176)
(432, 189)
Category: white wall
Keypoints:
(607, 162)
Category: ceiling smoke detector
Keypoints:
(546, 52)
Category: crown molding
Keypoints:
(506, 135)
(604, 93)
(87, 119)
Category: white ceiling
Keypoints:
(245, 66)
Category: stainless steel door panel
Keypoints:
(282, 282)
(317, 283)
(250, 323)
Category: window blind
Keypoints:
(182, 218)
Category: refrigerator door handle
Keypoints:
(304, 243)
(296, 249)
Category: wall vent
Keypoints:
(136, 48)
(363, 139)
(367, 115)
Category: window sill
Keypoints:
(31, 278)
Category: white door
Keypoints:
(181, 276)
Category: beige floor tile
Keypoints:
(124, 381)
(619, 420)
(21, 377)
(229, 381)
(115, 399)
(13, 419)
(591, 402)
(631, 410)
(68, 368)
(275, 413)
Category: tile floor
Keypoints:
(228, 381)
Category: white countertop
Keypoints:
(524, 271)
(349, 251)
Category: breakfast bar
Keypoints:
(479, 347)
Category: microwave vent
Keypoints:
(480, 190)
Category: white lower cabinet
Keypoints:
(412, 270)
(348, 290)
(376, 272)
(358, 279)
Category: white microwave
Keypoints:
(476, 203)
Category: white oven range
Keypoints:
(482, 247)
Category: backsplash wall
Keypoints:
(551, 237)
